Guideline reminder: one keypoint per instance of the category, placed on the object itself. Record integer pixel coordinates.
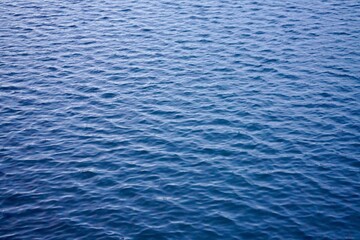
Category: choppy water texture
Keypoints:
(207, 119)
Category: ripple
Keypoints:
(179, 120)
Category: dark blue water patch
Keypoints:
(179, 120)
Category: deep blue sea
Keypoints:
(179, 120)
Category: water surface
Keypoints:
(160, 119)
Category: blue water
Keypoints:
(161, 119)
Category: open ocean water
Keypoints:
(162, 119)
